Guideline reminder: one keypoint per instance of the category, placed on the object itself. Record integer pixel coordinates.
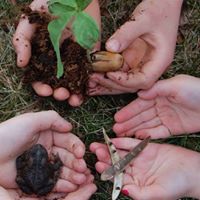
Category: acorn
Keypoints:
(105, 61)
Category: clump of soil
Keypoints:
(43, 64)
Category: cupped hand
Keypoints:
(53, 132)
(147, 41)
(170, 107)
(82, 193)
(21, 42)
(159, 172)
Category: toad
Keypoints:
(36, 174)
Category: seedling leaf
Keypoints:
(82, 4)
(55, 29)
(70, 3)
(85, 30)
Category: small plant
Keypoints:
(83, 27)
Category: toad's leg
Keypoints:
(46, 188)
(23, 185)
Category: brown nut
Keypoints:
(104, 61)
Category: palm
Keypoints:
(177, 115)
(157, 172)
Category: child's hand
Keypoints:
(169, 107)
(155, 22)
(53, 132)
(159, 172)
(21, 41)
(82, 193)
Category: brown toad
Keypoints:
(35, 173)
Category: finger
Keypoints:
(4, 194)
(134, 108)
(161, 88)
(72, 176)
(127, 33)
(75, 100)
(107, 83)
(126, 144)
(42, 89)
(31, 123)
(147, 192)
(135, 121)
(101, 90)
(145, 125)
(70, 142)
(101, 167)
(83, 193)
(61, 94)
(95, 145)
(155, 133)
(69, 160)
(64, 186)
(21, 40)
(104, 156)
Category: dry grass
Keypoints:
(97, 111)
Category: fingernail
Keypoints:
(113, 45)
(125, 192)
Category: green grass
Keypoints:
(97, 112)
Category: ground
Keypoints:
(97, 112)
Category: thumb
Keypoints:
(4, 194)
(165, 88)
(83, 193)
(143, 193)
(21, 41)
(126, 34)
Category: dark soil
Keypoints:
(43, 64)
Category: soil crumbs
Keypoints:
(43, 63)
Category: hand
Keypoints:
(155, 24)
(21, 41)
(170, 107)
(82, 193)
(53, 132)
(159, 172)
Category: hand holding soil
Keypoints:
(21, 41)
(149, 37)
(53, 132)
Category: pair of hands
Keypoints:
(147, 40)
(161, 171)
(53, 132)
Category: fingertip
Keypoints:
(80, 165)
(75, 100)
(79, 151)
(61, 94)
(93, 147)
(42, 89)
(117, 117)
(113, 45)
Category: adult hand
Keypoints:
(21, 41)
(82, 193)
(159, 172)
(170, 107)
(155, 24)
(53, 132)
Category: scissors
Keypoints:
(118, 165)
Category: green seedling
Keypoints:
(83, 26)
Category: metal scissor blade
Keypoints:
(120, 165)
(118, 178)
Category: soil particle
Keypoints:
(43, 64)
